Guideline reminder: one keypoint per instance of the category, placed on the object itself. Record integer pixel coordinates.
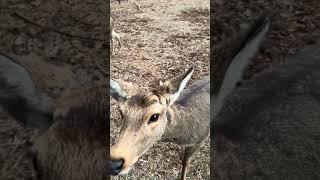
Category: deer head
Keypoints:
(144, 115)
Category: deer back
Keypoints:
(190, 125)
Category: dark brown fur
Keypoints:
(269, 127)
(74, 146)
(72, 137)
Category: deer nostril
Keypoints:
(116, 166)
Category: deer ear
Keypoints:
(233, 66)
(116, 91)
(175, 86)
(20, 98)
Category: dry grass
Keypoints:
(13, 162)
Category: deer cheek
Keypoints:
(156, 125)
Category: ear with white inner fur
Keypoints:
(240, 61)
(116, 91)
(176, 85)
(20, 98)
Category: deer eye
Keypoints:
(153, 118)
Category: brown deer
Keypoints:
(114, 36)
(71, 143)
(164, 111)
(268, 128)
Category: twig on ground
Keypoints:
(55, 30)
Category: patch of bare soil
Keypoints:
(59, 43)
(162, 40)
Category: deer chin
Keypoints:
(129, 165)
(125, 171)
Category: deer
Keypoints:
(163, 111)
(70, 132)
(267, 127)
(114, 36)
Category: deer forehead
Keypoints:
(143, 109)
(142, 99)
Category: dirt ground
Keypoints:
(162, 40)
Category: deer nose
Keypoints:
(116, 166)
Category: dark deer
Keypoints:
(269, 127)
(71, 144)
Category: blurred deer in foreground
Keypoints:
(71, 144)
(164, 111)
(269, 127)
(114, 36)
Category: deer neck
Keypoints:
(173, 124)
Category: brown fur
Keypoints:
(269, 127)
(74, 146)
(114, 36)
(71, 143)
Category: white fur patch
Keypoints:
(183, 84)
(116, 90)
(235, 69)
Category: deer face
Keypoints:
(144, 116)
